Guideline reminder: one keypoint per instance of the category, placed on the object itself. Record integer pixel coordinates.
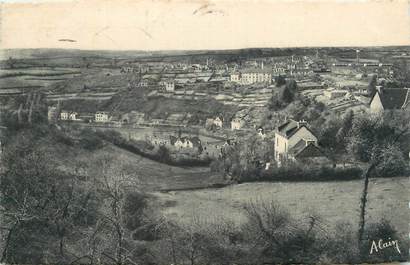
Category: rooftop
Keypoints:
(395, 98)
(290, 127)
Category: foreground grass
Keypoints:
(335, 202)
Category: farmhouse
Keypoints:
(66, 115)
(294, 139)
(218, 122)
(101, 116)
(169, 86)
(185, 142)
(390, 99)
(261, 133)
(236, 124)
(52, 113)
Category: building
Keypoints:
(52, 113)
(64, 115)
(218, 122)
(236, 124)
(185, 142)
(252, 76)
(261, 133)
(390, 99)
(73, 116)
(169, 85)
(291, 139)
(101, 116)
(235, 77)
(332, 93)
(68, 115)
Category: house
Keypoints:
(68, 115)
(181, 142)
(390, 99)
(261, 133)
(169, 86)
(52, 113)
(308, 152)
(332, 93)
(218, 122)
(291, 138)
(101, 116)
(235, 77)
(73, 116)
(64, 115)
(252, 76)
(236, 124)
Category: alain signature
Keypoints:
(380, 245)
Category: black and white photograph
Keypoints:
(204, 132)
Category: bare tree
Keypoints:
(114, 182)
(370, 139)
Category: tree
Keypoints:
(280, 81)
(123, 210)
(401, 71)
(372, 140)
(40, 204)
(371, 88)
(344, 130)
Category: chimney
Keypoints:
(262, 65)
(302, 123)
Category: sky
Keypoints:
(202, 24)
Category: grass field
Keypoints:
(334, 202)
(151, 175)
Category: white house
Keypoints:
(101, 116)
(235, 77)
(292, 134)
(236, 124)
(261, 133)
(73, 116)
(218, 122)
(169, 86)
(252, 76)
(183, 143)
(52, 113)
(390, 99)
(64, 115)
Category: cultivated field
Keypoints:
(334, 202)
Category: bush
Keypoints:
(90, 141)
(279, 238)
(62, 137)
(297, 172)
(384, 231)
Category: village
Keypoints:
(206, 149)
(247, 88)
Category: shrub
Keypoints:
(385, 232)
(279, 238)
(297, 172)
(90, 141)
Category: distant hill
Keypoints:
(128, 54)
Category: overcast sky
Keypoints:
(223, 24)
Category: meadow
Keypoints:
(185, 193)
(334, 202)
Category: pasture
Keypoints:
(334, 202)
